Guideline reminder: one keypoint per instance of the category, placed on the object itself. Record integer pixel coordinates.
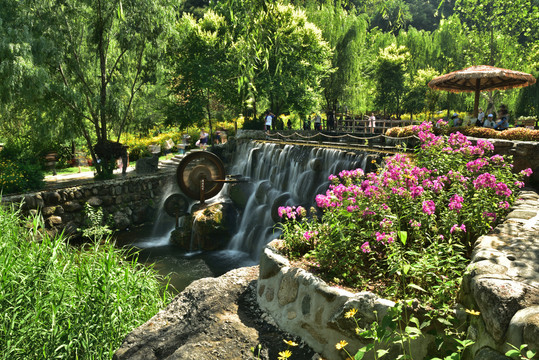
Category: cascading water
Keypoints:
(284, 176)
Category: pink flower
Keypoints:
(457, 228)
(527, 172)
(497, 159)
(366, 247)
(455, 203)
(476, 165)
(385, 238)
(485, 180)
(414, 223)
(503, 205)
(309, 234)
(386, 223)
(489, 216)
(503, 189)
(429, 207)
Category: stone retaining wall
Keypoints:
(130, 201)
(502, 282)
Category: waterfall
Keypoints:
(284, 176)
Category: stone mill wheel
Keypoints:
(201, 175)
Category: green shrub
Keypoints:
(516, 133)
(59, 302)
(18, 177)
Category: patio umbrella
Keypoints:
(481, 78)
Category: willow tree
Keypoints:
(390, 77)
(346, 33)
(90, 60)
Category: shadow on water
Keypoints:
(180, 266)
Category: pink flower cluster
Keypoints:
(429, 207)
(385, 238)
(307, 235)
(457, 228)
(455, 203)
(291, 211)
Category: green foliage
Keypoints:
(17, 175)
(60, 302)
(390, 78)
(395, 333)
(89, 62)
(521, 352)
(96, 225)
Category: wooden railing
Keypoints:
(363, 126)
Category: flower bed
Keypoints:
(410, 226)
(516, 133)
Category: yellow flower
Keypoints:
(284, 355)
(358, 330)
(350, 313)
(340, 345)
(290, 343)
(473, 312)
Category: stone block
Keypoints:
(72, 206)
(288, 288)
(48, 211)
(487, 353)
(271, 263)
(95, 201)
(498, 301)
(524, 328)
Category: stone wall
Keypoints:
(129, 200)
(502, 283)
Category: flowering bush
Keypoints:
(411, 225)
(18, 177)
(516, 133)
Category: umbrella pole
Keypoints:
(476, 100)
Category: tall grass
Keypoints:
(60, 302)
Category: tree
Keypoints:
(200, 68)
(92, 58)
(419, 96)
(390, 76)
(346, 34)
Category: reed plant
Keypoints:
(62, 302)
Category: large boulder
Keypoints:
(213, 318)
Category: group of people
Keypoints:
(220, 137)
(501, 122)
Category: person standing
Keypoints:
(317, 122)
(269, 119)
(480, 118)
(372, 123)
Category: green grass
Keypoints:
(61, 302)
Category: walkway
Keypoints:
(87, 177)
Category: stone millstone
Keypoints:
(213, 318)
